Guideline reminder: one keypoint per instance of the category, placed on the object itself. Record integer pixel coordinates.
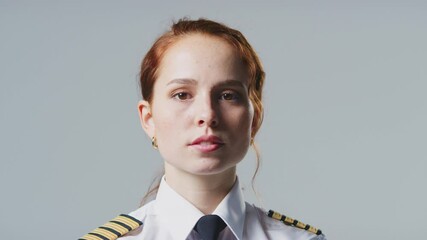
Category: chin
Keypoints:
(213, 170)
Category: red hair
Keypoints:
(184, 27)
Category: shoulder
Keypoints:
(279, 226)
(114, 229)
(293, 222)
(120, 226)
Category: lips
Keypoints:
(207, 143)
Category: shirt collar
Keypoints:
(175, 211)
(232, 210)
(171, 207)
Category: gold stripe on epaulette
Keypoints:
(293, 222)
(106, 233)
(122, 230)
(114, 229)
(124, 219)
(90, 237)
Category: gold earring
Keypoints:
(154, 143)
(252, 141)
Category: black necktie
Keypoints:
(209, 227)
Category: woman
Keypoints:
(201, 86)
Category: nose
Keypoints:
(206, 114)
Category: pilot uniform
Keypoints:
(171, 217)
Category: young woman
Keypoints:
(201, 86)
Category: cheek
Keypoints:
(169, 124)
(165, 124)
(167, 135)
(241, 121)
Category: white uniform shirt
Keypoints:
(172, 217)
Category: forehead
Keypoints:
(201, 54)
(200, 41)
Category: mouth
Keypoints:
(208, 143)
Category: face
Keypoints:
(200, 113)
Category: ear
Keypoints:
(146, 118)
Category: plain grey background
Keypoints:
(343, 142)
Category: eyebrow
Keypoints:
(182, 81)
(190, 81)
(232, 82)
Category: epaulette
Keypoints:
(293, 222)
(114, 229)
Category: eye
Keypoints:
(229, 96)
(181, 96)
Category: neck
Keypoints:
(205, 192)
